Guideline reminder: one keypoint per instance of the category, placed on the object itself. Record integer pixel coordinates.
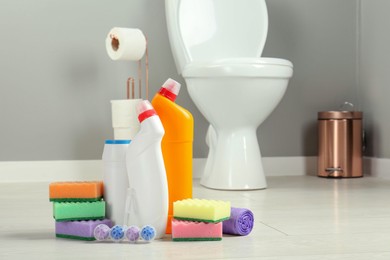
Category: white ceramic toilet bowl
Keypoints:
(236, 96)
(216, 45)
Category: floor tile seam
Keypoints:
(340, 221)
(300, 254)
(273, 256)
(279, 231)
(292, 234)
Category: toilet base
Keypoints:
(234, 161)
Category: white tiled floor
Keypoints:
(299, 217)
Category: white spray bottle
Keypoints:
(147, 196)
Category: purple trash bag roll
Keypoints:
(240, 222)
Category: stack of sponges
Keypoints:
(78, 207)
(199, 219)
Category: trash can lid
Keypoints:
(340, 115)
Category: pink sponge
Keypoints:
(183, 230)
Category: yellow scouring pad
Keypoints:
(213, 211)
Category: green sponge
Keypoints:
(66, 211)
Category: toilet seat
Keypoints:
(236, 67)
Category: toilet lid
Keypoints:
(215, 29)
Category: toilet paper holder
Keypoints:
(130, 44)
(131, 80)
(146, 73)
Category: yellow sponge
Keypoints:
(213, 211)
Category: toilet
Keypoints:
(217, 47)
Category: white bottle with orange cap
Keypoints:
(147, 196)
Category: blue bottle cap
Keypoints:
(118, 141)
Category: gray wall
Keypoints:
(319, 37)
(57, 80)
(374, 75)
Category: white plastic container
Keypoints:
(115, 179)
(147, 196)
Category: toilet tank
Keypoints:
(208, 30)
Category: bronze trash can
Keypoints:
(340, 144)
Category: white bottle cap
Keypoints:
(145, 110)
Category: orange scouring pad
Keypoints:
(76, 191)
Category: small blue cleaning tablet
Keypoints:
(148, 233)
(117, 233)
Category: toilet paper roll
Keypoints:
(124, 118)
(240, 223)
(125, 44)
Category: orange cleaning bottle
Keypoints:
(176, 144)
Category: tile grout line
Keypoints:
(274, 228)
